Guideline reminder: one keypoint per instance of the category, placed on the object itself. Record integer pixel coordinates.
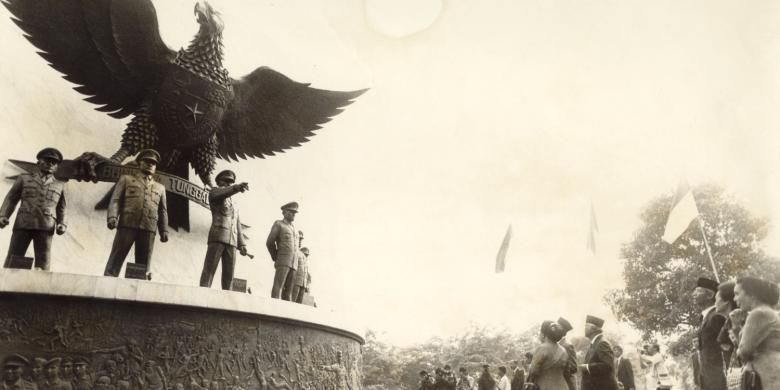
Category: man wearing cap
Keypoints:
(53, 380)
(282, 244)
(711, 373)
(225, 234)
(571, 366)
(598, 372)
(42, 209)
(518, 376)
(137, 210)
(13, 367)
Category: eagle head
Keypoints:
(209, 20)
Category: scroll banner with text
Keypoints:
(110, 172)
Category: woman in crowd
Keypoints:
(759, 342)
(724, 305)
(549, 360)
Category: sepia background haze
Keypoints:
(480, 114)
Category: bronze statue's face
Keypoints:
(12, 373)
(224, 182)
(47, 166)
(148, 167)
(289, 215)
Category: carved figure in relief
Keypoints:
(277, 384)
(110, 370)
(153, 377)
(13, 367)
(66, 368)
(340, 371)
(37, 374)
(53, 380)
(82, 378)
(103, 383)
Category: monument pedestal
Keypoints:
(138, 334)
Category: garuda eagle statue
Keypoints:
(184, 104)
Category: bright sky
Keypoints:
(480, 114)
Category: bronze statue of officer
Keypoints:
(137, 210)
(225, 234)
(42, 210)
(283, 244)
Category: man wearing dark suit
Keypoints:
(711, 374)
(571, 368)
(625, 371)
(598, 371)
(518, 376)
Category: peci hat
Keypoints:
(227, 173)
(565, 324)
(292, 206)
(50, 153)
(593, 320)
(709, 284)
(149, 155)
(15, 360)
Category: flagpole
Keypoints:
(707, 247)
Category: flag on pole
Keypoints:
(501, 256)
(683, 212)
(593, 229)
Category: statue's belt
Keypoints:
(110, 172)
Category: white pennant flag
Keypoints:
(682, 214)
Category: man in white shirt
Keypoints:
(661, 380)
(503, 383)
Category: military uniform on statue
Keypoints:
(42, 210)
(712, 376)
(282, 244)
(138, 208)
(225, 234)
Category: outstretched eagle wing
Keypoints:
(111, 49)
(270, 113)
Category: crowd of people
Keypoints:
(739, 331)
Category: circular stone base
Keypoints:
(108, 333)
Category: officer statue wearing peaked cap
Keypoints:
(283, 244)
(137, 210)
(42, 209)
(225, 234)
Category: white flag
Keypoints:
(682, 214)
(501, 256)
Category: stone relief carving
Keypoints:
(85, 345)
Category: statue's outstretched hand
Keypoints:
(111, 223)
(3, 222)
(88, 162)
(61, 229)
(163, 236)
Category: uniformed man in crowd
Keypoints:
(137, 210)
(282, 244)
(225, 234)
(302, 276)
(42, 209)
(13, 367)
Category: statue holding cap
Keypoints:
(137, 210)
(282, 244)
(302, 275)
(711, 373)
(13, 368)
(598, 371)
(225, 234)
(42, 209)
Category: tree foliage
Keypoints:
(660, 277)
(386, 367)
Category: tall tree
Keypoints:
(660, 277)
